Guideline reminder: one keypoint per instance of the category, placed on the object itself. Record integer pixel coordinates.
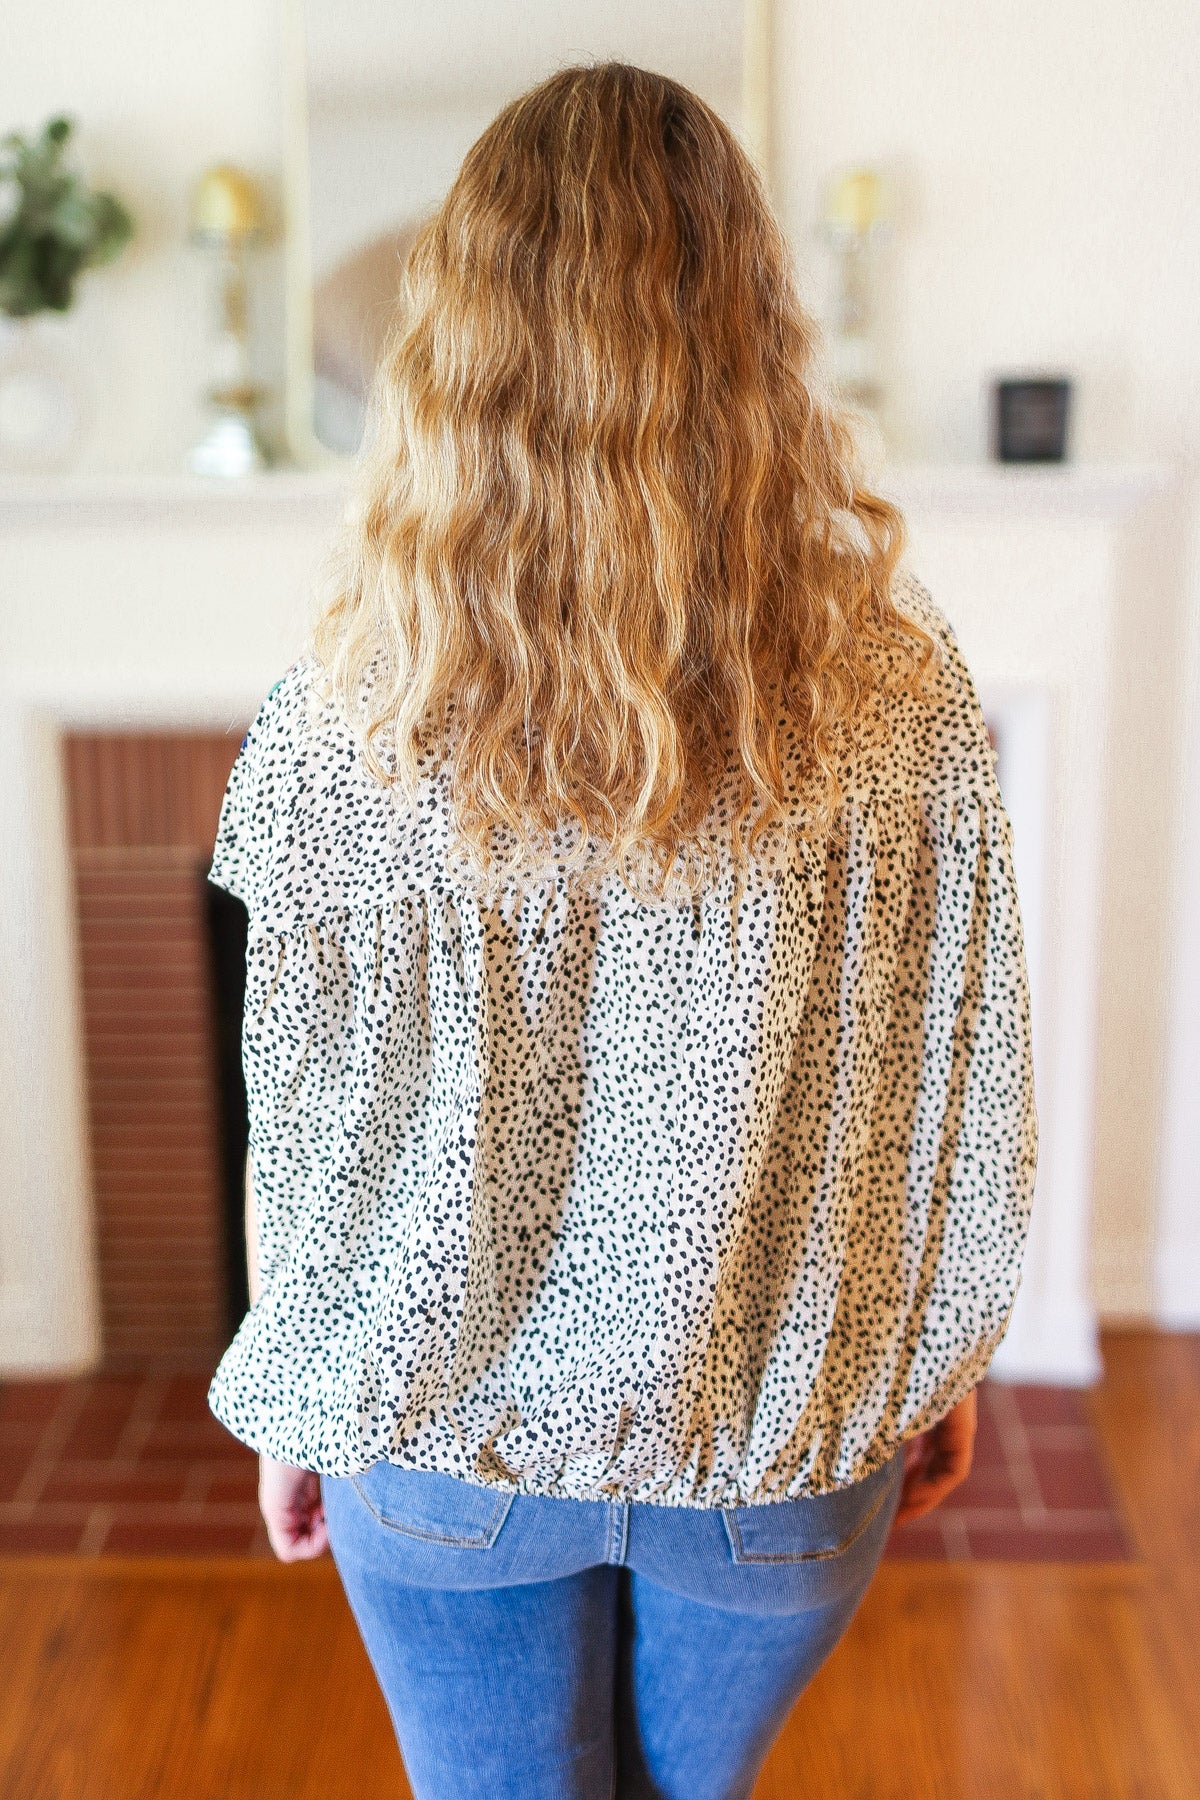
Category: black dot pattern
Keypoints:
(569, 1193)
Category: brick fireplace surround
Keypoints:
(142, 809)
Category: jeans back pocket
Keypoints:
(437, 1509)
(815, 1528)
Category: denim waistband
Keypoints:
(422, 1529)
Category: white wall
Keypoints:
(160, 92)
(1044, 155)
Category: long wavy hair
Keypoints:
(611, 559)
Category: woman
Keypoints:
(637, 1037)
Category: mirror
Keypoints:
(384, 101)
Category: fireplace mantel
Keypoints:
(157, 600)
(1078, 490)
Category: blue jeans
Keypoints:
(544, 1649)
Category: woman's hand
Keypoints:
(937, 1460)
(290, 1502)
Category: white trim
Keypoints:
(1177, 1248)
(49, 1300)
(758, 86)
(1074, 490)
(1047, 1312)
(162, 499)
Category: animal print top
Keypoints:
(570, 1194)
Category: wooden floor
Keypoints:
(144, 1680)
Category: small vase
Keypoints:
(41, 395)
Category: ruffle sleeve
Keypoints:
(257, 810)
(306, 831)
(955, 1126)
(962, 1019)
(908, 1130)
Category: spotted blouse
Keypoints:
(569, 1193)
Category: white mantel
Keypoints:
(1103, 491)
(169, 601)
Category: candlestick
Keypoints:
(225, 222)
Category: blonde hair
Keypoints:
(611, 549)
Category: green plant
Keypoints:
(52, 225)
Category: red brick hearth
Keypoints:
(137, 1465)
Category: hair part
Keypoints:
(612, 549)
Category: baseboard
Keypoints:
(1177, 1288)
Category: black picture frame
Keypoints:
(1030, 419)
